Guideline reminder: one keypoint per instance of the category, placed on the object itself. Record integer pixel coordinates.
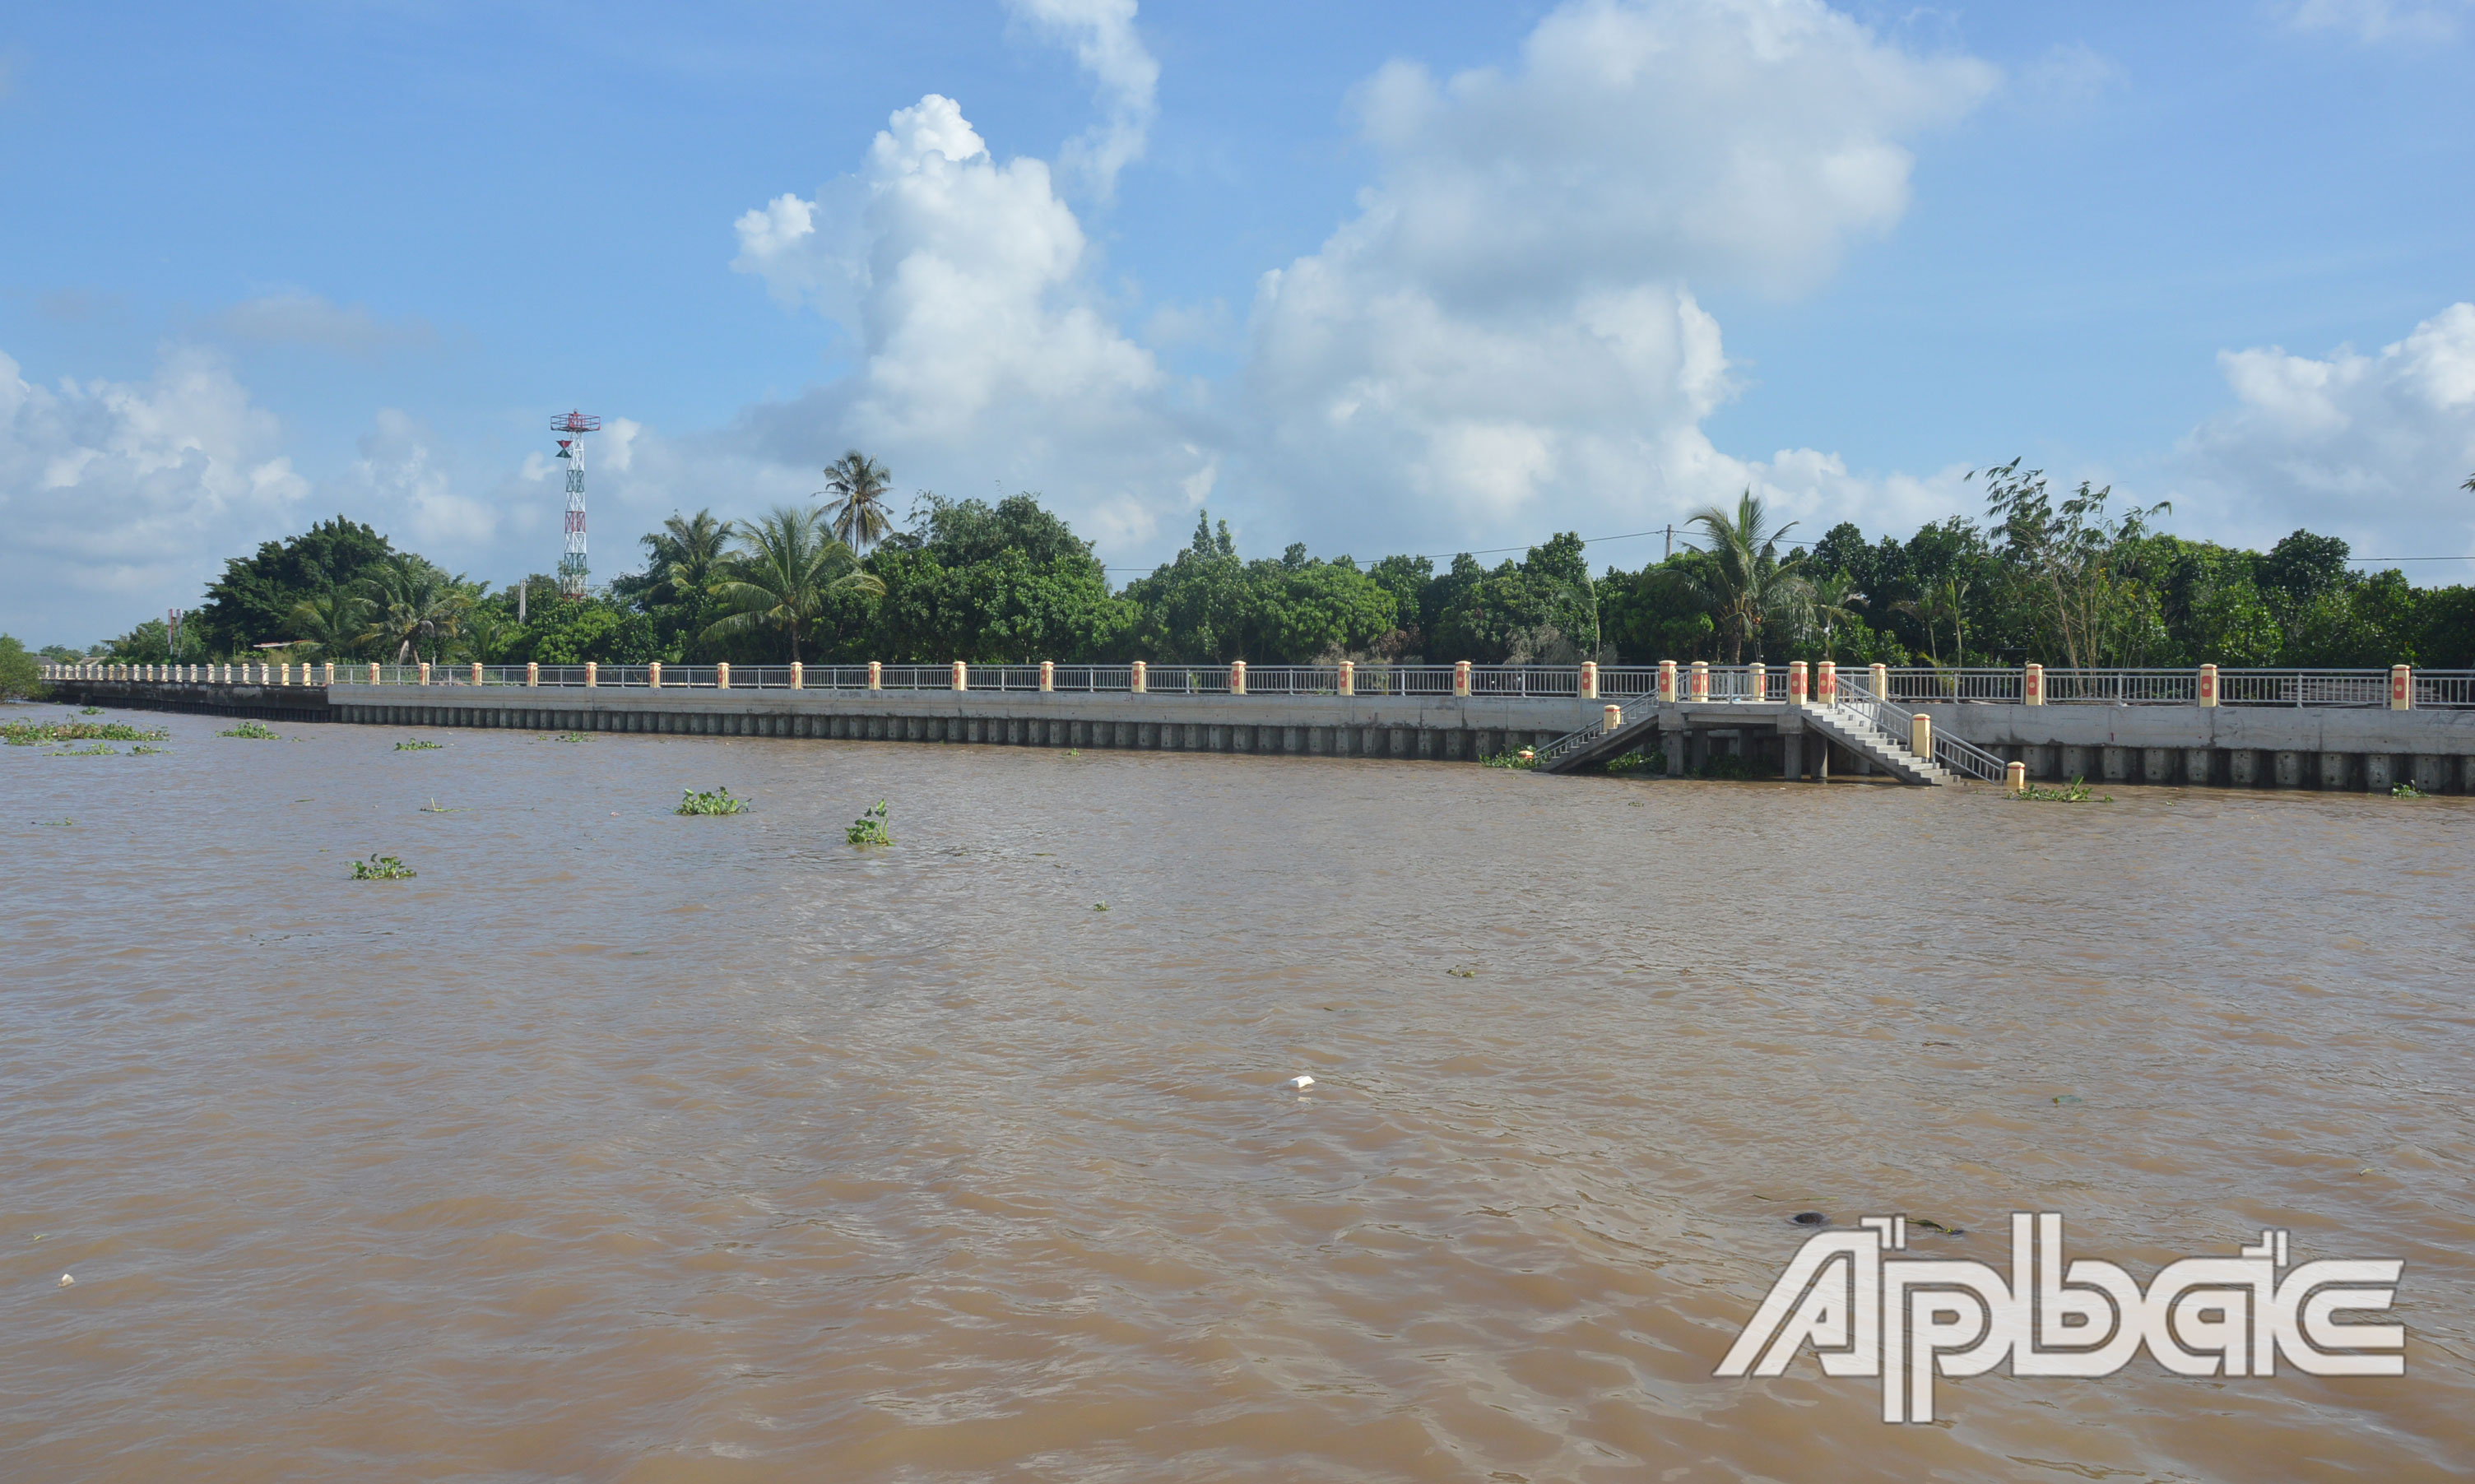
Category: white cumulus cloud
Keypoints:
(2365, 447)
(984, 352)
(120, 497)
(1505, 340)
(1125, 71)
(2383, 20)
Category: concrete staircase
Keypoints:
(1889, 754)
(1846, 726)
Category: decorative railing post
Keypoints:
(2032, 685)
(798, 676)
(2208, 685)
(1701, 690)
(532, 673)
(1825, 682)
(1048, 674)
(477, 673)
(327, 671)
(1460, 677)
(2015, 777)
(1589, 680)
(1796, 691)
(1757, 682)
(592, 674)
(963, 676)
(1880, 676)
(1920, 736)
(1348, 678)
(1610, 719)
(2401, 688)
(287, 672)
(1236, 678)
(875, 675)
(653, 675)
(425, 671)
(722, 676)
(1139, 679)
(1667, 682)
(373, 672)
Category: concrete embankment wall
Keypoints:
(1442, 727)
(2233, 746)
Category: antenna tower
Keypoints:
(571, 567)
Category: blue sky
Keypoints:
(1379, 276)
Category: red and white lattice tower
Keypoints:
(572, 567)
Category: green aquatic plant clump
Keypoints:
(565, 737)
(1639, 761)
(2077, 792)
(379, 868)
(90, 710)
(2408, 790)
(101, 750)
(416, 744)
(869, 829)
(253, 731)
(1724, 768)
(26, 734)
(1525, 758)
(144, 752)
(717, 802)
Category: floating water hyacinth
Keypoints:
(253, 731)
(869, 829)
(717, 802)
(416, 744)
(379, 868)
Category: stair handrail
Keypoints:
(1957, 753)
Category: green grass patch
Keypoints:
(254, 731)
(379, 868)
(1639, 761)
(26, 734)
(869, 829)
(717, 802)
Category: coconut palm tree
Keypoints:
(687, 554)
(332, 625)
(786, 567)
(1741, 578)
(418, 609)
(858, 485)
(1835, 602)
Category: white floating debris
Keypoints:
(67, 1281)
(1301, 1082)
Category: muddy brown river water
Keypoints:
(619, 1145)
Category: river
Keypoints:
(620, 1145)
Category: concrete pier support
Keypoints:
(2157, 765)
(2380, 772)
(2335, 770)
(2430, 772)
(2199, 765)
(2285, 769)
(2242, 768)
(2116, 764)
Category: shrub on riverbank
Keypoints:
(20, 674)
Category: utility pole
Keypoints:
(1670, 544)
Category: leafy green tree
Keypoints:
(2093, 607)
(20, 673)
(599, 629)
(148, 643)
(252, 603)
(857, 514)
(1544, 609)
(2445, 628)
(781, 578)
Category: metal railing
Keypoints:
(1911, 685)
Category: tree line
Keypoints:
(2063, 578)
